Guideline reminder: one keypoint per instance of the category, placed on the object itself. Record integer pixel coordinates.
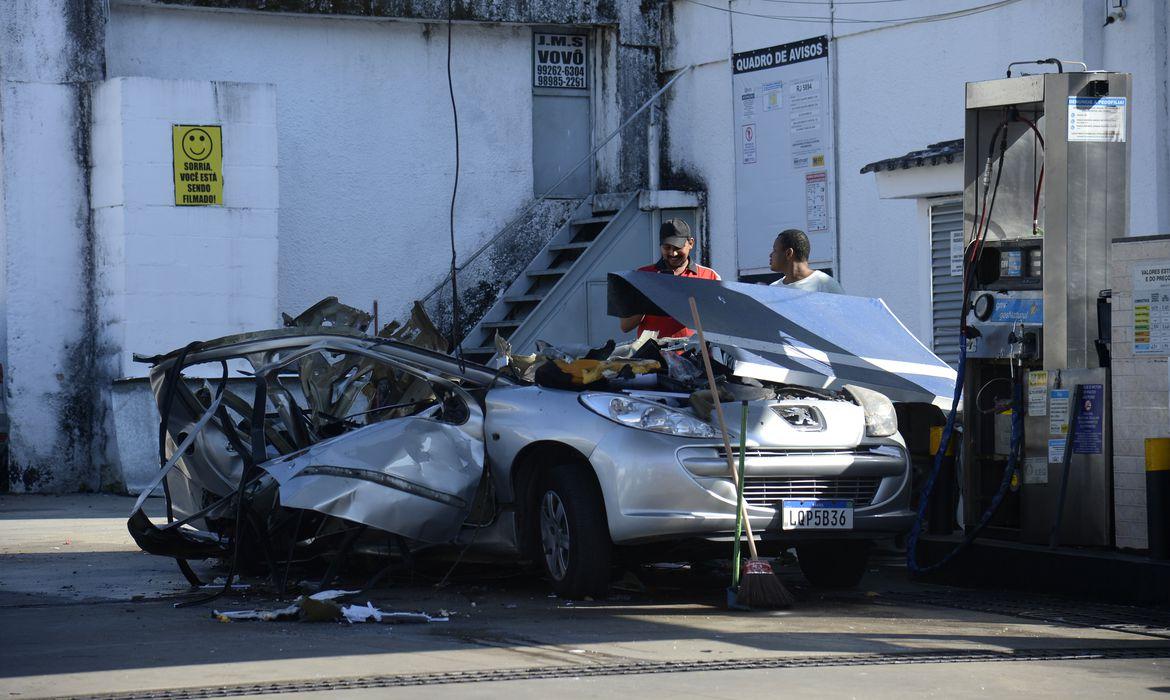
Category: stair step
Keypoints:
(485, 350)
(592, 220)
(523, 298)
(563, 247)
(549, 272)
(509, 323)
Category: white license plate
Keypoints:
(817, 515)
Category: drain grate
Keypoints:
(637, 668)
(1118, 618)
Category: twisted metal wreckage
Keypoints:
(265, 479)
(354, 441)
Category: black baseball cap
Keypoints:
(674, 232)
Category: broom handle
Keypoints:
(739, 490)
(751, 540)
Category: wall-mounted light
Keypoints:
(1114, 11)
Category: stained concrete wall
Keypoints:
(900, 86)
(50, 50)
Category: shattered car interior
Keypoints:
(312, 442)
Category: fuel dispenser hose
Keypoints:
(1012, 465)
(1009, 470)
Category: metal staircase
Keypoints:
(555, 277)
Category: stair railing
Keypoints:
(532, 205)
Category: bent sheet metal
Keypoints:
(793, 336)
(415, 477)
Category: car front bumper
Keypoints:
(659, 487)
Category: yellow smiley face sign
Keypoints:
(198, 159)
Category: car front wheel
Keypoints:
(833, 564)
(572, 533)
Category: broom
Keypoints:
(758, 586)
(737, 548)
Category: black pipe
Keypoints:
(1066, 466)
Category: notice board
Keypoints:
(783, 151)
(1151, 307)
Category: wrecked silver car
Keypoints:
(342, 439)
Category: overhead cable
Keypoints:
(456, 341)
(848, 20)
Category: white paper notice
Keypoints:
(804, 114)
(749, 144)
(773, 96)
(816, 201)
(1056, 451)
(1096, 119)
(957, 253)
(1035, 470)
(1151, 307)
(747, 102)
(1058, 412)
(1037, 393)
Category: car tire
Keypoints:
(572, 534)
(833, 564)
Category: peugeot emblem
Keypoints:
(801, 417)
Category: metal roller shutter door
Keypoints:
(946, 242)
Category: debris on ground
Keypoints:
(324, 607)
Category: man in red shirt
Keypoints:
(676, 242)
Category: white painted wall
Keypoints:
(1139, 45)
(364, 133)
(901, 87)
(167, 275)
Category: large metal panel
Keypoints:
(561, 136)
(993, 93)
(1086, 206)
(1088, 507)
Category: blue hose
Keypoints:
(1005, 484)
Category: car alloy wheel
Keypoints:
(554, 535)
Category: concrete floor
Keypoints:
(83, 611)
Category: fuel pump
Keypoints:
(1047, 165)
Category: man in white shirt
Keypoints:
(790, 254)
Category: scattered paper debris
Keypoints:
(289, 613)
(332, 594)
(367, 612)
(321, 607)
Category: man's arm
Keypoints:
(629, 323)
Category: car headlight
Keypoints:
(648, 415)
(880, 418)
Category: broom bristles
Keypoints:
(759, 587)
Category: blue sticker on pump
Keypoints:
(1012, 264)
(1087, 432)
(1029, 311)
